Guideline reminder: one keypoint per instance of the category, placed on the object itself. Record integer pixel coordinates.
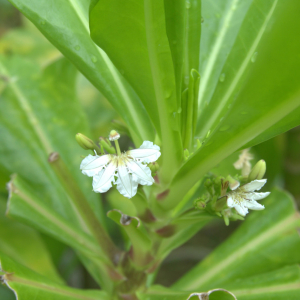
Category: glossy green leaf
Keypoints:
(28, 285)
(26, 205)
(49, 116)
(21, 243)
(144, 55)
(222, 20)
(124, 40)
(39, 106)
(266, 241)
(68, 30)
(280, 284)
(259, 97)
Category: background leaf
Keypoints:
(68, 30)
(28, 285)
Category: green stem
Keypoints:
(83, 207)
(118, 147)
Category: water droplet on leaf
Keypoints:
(94, 59)
(43, 22)
(224, 128)
(179, 110)
(222, 77)
(254, 56)
(187, 4)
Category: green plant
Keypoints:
(199, 102)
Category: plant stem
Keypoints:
(84, 208)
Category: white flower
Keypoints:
(128, 167)
(244, 197)
(244, 162)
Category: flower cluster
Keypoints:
(126, 170)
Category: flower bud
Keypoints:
(258, 171)
(84, 142)
(153, 166)
(199, 204)
(113, 136)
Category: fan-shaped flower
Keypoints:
(244, 197)
(126, 170)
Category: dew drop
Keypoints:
(179, 110)
(254, 56)
(77, 48)
(188, 4)
(224, 128)
(42, 22)
(94, 59)
(222, 77)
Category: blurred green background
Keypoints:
(18, 37)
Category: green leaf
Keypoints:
(28, 285)
(21, 243)
(266, 241)
(259, 97)
(124, 40)
(144, 55)
(25, 205)
(41, 114)
(68, 30)
(279, 284)
(222, 20)
(44, 110)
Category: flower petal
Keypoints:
(103, 181)
(147, 153)
(230, 202)
(140, 173)
(241, 210)
(92, 165)
(125, 184)
(252, 204)
(253, 185)
(257, 196)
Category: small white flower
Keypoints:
(128, 167)
(244, 197)
(243, 162)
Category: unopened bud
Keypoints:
(199, 204)
(105, 143)
(84, 142)
(258, 171)
(113, 136)
(153, 166)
